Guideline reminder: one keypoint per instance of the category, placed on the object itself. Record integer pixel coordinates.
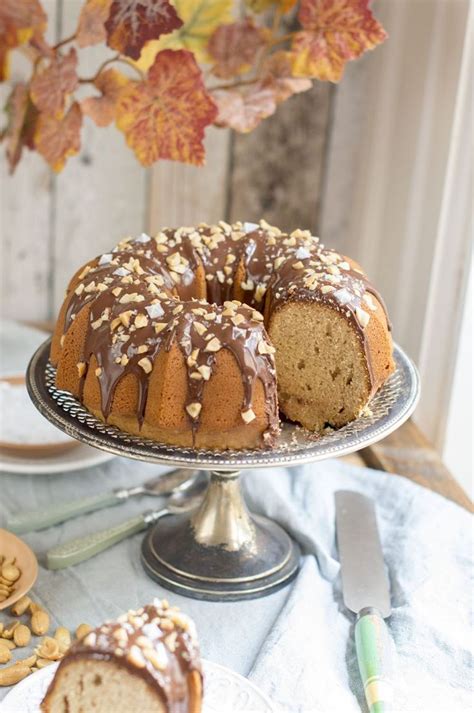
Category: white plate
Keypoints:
(77, 458)
(224, 692)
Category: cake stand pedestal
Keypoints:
(220, 551)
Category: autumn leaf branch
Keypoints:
(176, 50)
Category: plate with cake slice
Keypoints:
(224, 692)
(146, 660)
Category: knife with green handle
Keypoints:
(160, 485)
(366, 592)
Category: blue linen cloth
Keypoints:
(297, 645)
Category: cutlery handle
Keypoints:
(39, 519)
(82, 548)
(375, 655)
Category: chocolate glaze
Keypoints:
(156, 642)
(158, 283)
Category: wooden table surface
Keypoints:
(409, 453)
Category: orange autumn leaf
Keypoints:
(277, 75)
(50, 87)
(102, 109)
(56, 139)
(258, 6)
(91, 25)
(334, 32)
(131, 23)
(234, 47)
(244, 110)
(19, 131)
(19, 19)
(165, 115)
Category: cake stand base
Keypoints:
(220, 551)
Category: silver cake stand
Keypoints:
(221, 551)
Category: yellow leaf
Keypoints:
(200, 19)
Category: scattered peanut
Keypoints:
(5, 654)
(8, 632)
(13, 674)
(82, 630)
(21, 606)
(49, 649)
(63, 637)
(42, 663)
(34, 607)
(15, 634)
(22, 635)
(40, 622)
(8, 643)
(29, 661)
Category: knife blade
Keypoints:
(364, 578)
(366, 592)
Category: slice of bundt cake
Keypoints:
(147, 661)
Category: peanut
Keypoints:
(10, 572)
(22, 635)
(8, 643)
(42, 663)
(34, 607)
(82, 630)
(8, 632)
(63, 637)
(5, 654)
(49, 649)
(29, 661)
(21, 606)
(12, 674)
(40, 622)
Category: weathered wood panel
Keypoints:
(101, 195)
(25, 221)
(25, 246)
(186, 195)
(277, 170)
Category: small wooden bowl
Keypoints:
(33, 450)
(25, 560)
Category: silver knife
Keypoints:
(158, 486)
(366, 592)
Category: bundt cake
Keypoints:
(147, 660)
(181, 337)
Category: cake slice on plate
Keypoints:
(146, 661)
